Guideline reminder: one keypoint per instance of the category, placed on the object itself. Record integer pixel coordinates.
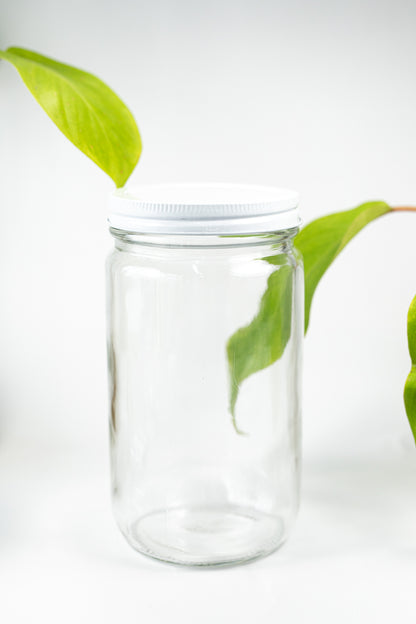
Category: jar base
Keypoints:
(207, 536)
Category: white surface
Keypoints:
(350, 559)
(316, 96)
(204, 209)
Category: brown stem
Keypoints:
(404, 209)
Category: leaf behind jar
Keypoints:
(260, 343)
(322, 240)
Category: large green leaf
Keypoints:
(85, 109)
(410, 386)
(322, 240)
(263, 341)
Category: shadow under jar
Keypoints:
(205, 326)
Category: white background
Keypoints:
(317, 96)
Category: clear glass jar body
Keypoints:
(189, 485)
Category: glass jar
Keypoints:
(205, 308)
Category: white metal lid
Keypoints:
(203, 209)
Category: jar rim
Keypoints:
(201, 208)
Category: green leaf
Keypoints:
(410, 386)
(263, 341)
(85, 109)
(322, 240)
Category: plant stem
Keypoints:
(404, 209)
